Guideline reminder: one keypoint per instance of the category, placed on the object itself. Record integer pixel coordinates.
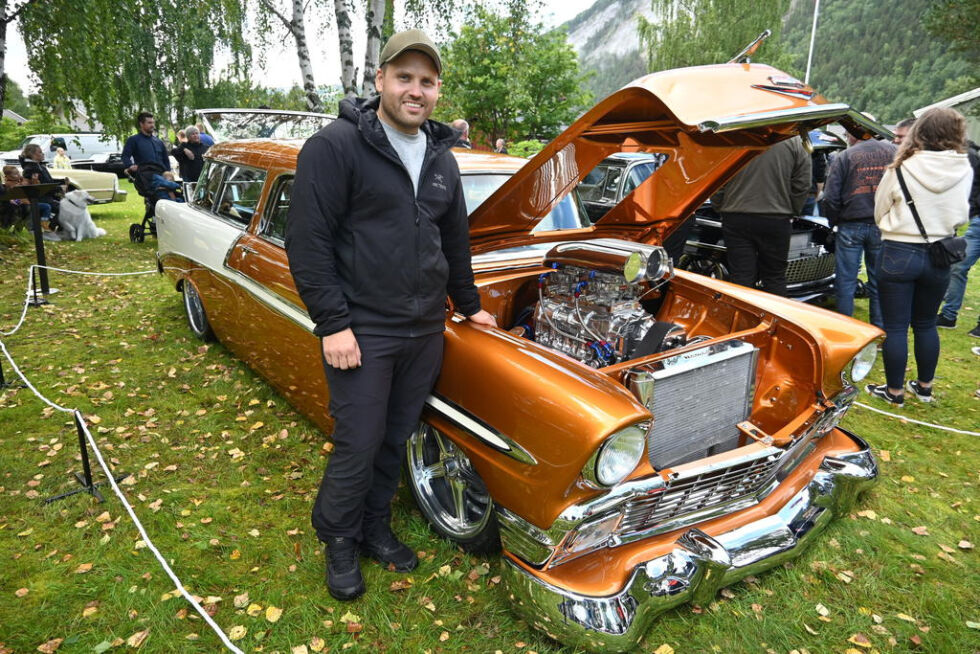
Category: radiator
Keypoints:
(697, 400)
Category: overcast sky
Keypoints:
(281, 68)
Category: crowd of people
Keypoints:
(889, 204)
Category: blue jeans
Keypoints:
(957, 274)
(910, 289)
(853, 240)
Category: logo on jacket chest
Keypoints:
(439, 182)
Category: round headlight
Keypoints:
(619, 455)
(862, 363)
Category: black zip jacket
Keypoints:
(365, 252)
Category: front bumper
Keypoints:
(697, 567)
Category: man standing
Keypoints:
(377, 235)
(463, 128)
(958, 272)
(143, 147)
(757, 207)
(849, 204)
(901, 129)
(190, 154)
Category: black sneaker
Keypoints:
(344, 580)
(882, 392)
(382, 545)
(944, 323)
(920, 392)
(975, 332)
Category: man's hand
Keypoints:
(341, 350)
(133, 168)
(188, 154)
(482, 317)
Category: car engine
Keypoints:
(589, 304)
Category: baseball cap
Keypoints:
(410, 40)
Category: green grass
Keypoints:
(170, 411)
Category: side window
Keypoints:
(242, 190)
(611, 183)
(208, 185)
(274, 222)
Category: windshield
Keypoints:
(568, 214)
(234, 125)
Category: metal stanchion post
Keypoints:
(32, 193)
(85, 478)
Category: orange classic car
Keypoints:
(632, 436)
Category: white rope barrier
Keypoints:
(917, 422)
(30, 287)
(105, 468)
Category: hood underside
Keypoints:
(709, 121)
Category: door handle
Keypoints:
(246, 250)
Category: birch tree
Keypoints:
(375, 18)
(345, 42)
(296, 26)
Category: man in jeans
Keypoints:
(849, 204)
(958, 273)
(757, 207)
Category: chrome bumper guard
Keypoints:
(698, 566)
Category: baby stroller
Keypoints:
(143, 183)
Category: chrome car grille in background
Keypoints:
(698, 490)
(697, 400)
(810, 268)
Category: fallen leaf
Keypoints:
(20, 592)
(908, 479)
(905, 617)
(317, 644)
(822, 610)
(400, 584)
(869, 514)
(83, 568)
(89, 610)
(241, 601)
(137, 639)
(299, 649)
(350, 617)
(254, 610)
(444, 636)
(965, 545)
(885, 455)
(50, 646)
(920, 531)
(237, 632)
(273, 613)
(860, 640)
(235, 555)
(664, 649)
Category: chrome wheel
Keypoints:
(449, 492)
(196, 317)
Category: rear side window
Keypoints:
(274, 223)
(240, 195)
(208, 185)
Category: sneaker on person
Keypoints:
(920, 392)
(344, 580)
(945, 323)
(975, 332)
(975, 350)
(381, 545)
(881, 391)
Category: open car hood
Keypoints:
(709, 120)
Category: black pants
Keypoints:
(375, 409)
(757, 247)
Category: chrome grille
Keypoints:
(697, 400)
(809, 269)
(699, 490)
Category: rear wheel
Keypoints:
(450, 493)
(136, 234)
(197, 319)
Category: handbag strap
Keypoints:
(910, 202)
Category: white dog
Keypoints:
(76, 223)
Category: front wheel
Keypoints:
(703, 266)
(197, 319)
(450, 493)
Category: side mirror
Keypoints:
(189, 190)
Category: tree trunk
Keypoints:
(3, 56)
(348, 73)
(298, 28)
(375, 21)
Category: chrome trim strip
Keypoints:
(780, 116)
(697, 567)
(522, 539)
(478, 429)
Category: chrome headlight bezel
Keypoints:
(862, 363)
(617, 457)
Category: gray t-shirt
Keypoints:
(410, 149)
